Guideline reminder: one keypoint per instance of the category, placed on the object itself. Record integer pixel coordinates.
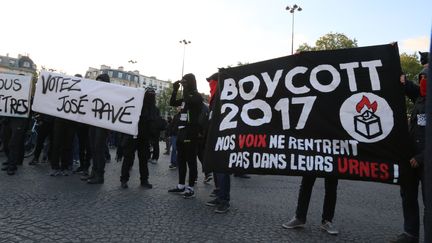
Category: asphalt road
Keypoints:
(35, 207)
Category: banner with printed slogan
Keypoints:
(15, 95)
(334, 113)
(96, 103)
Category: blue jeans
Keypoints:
(224, 184)
(173, 150)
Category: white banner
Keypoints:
(15, 95)
(97, 103)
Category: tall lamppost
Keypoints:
(184, 42)
(292, 9)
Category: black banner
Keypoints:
(325, 113)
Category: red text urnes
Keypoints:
(363, 169)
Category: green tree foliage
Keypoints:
(410, 66)
(163, 102)
(330, 41)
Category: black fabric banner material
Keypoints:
(326, 113)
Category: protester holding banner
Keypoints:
(303, 204)
(147, 132)
(222, 180)
(62, 146)
(187, 135)
(15, 106)
(412, 171)
(98, 137)
(82, 130)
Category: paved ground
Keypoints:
(37, 208)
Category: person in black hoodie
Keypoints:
(412, 170)
(148, 120)
(187, 134)
(98, 142)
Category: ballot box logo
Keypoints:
(367, 123)
(367, 117)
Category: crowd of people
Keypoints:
(185, 137)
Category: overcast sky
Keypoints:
(73, 35)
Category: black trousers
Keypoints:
(142, 147)
(155, 145)
(409, 189)
(62, 146)
(82, 131)
(98, 143)
(45, 130)
(15, 135)
(187, 157)
(305, 195)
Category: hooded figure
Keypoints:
(424, 57)
(98, 146)
(103, 77)
(146, 132)
(188, 130)
(411, 172)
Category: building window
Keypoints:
(136, 79)
(128, 77)
(120, 75)
(110, 73)
(12, 62)
(26, 64)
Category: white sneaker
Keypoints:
(329, 227)
(293, 223)
(55, 173)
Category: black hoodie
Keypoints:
(148, 127)
(103, 77)
(191, 103)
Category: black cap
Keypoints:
(103, 77)
(214, 76)
(424, 57)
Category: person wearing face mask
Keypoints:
(411, 172)
(147, 132)
(187, 135)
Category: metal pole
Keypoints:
(184, 52)
(292, 10)
(184, 42)
(427, 179)
(292, 34)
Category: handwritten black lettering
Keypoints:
(126, 113)
(105, 110)
(58, 84)
(73, 106)
(10, 105)
(8, 84)
(17, 85)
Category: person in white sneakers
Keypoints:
(187, 135)
(303, 204)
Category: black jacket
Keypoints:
(191, 104)
(417, 121)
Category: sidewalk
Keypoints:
(38, 208)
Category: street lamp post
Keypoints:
(292, 9)
(184, 42)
